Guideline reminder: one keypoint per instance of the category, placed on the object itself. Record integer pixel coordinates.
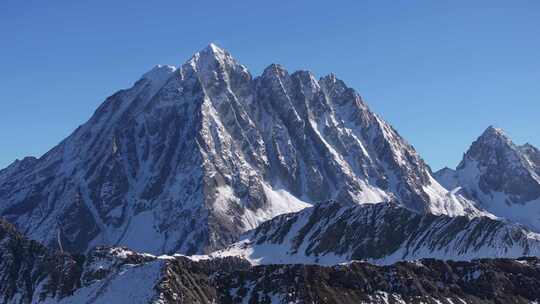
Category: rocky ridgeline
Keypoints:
(190, 158)
(33, 274)
(334, 232)
(29, 272)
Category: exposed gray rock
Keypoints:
(504, 168)
(190, 158)
(332, 232)
(501, 176)
(29, 272)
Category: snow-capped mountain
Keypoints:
(32, 273)
(333, 232)
(189, 158)
(504, 178)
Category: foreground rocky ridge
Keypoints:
(334, 232)
(29, 272)
(118, 275)
(190, 158)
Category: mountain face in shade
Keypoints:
(189, 158)
(333, 232)
(504, 178)
(32, 273)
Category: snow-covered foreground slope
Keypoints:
(333, 232)
(117, 275)
(502, 177)
(190, 158)
(31, 273)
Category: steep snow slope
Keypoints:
(333, 232)
(502, 176)
(189, 158)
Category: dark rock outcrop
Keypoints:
(29, 272)
(335, 232)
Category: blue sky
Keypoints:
(439, 71)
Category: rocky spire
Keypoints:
(494, 135)
(501, 176)
(214, 64)
(492, 147)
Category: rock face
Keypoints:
(425, 281)
(118, 275)
(504, 178)
(29, 272)
(189, 158)
(333, 232)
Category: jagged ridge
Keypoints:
(502, 177)
(334, 232)
(118, 275)
(29, 272)
(189, 158)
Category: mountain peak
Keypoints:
(213, 61)
(158, 76)
(214, 48)
(492, 131)
(498, 174)
(211, 54)
(214, 51)
(158, 71)
(330, 77)
(273, 70)
(445, 169)
(494, 137)
(493, 141)
(219, 151)
(528, 146)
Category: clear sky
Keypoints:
(439, 71)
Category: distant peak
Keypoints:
(305, 74)
(214, 48)
(528, 146)
(159, 72)
(330, 77)
(212, 58)
(331, 80)
(274, 69)
(494, 133)
(493, 130)
(492, 139)
(331, 84)
(445, 169)
(158, 76)
(212, 52)
(530, 149)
